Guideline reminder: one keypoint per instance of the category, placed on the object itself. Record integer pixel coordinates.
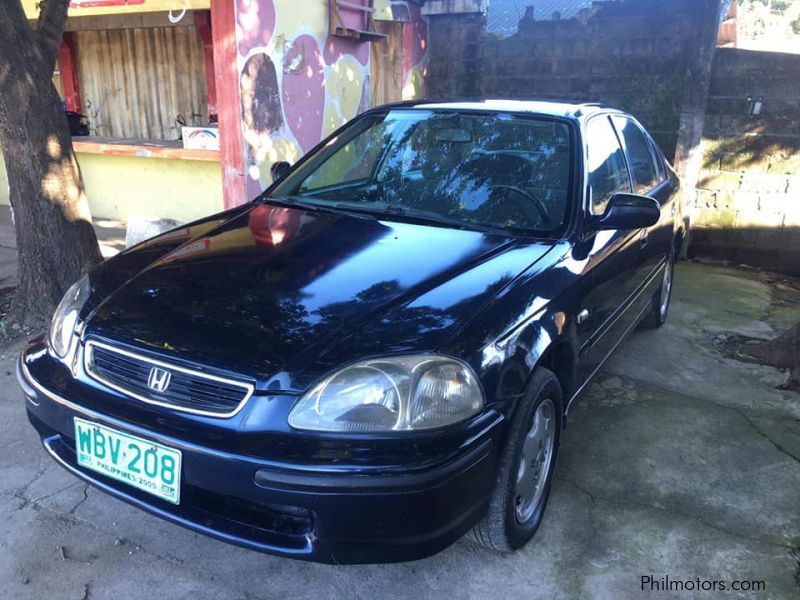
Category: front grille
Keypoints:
(187, 390)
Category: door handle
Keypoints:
(643, 238)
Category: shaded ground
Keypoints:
(678, 461)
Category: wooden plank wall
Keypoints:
(134, 82)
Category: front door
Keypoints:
(648, 180)
(615, 258)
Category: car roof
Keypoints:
(571, 110)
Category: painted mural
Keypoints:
(299, 83)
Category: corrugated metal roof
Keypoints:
(503, 15)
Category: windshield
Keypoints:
(492, 170)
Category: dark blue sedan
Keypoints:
(378, 354)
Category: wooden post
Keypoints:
(69, 72)
(229, 104)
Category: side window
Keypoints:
(640, 154)
(606, 163)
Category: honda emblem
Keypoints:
(158, 381)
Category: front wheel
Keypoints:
(661, 299)
(526, 468)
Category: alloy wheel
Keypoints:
(666, 288)
(534, 464)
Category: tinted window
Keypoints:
(497, 170)
(639, 154)
(606, 163)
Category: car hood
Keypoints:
(285, 294)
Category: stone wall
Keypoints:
(747, 207)
(632, 55)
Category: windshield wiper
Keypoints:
(298, 202)
(375, 212)
(426, 217)
(288, 201)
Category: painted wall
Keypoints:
(118, 186)
(299, 83)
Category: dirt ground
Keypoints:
(682, 460)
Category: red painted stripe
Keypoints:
(229, 105)
(69, 72)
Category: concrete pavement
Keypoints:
(679, 461)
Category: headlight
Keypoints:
(391, 394)
(66, 316)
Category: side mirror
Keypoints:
(279, 169)
(629, 211)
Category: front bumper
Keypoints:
(318, 515)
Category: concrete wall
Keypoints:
(119, 186)
(632, 56)
(747, 207)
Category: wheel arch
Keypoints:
(560, 358)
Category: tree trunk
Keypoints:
(782, 352)
(56, 242)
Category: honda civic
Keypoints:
(378, 354)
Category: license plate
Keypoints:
(140, 463)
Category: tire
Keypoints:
(661, 299)
(508, 523)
